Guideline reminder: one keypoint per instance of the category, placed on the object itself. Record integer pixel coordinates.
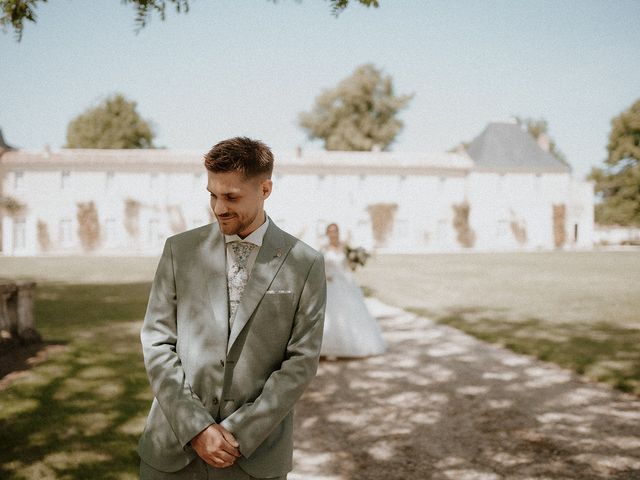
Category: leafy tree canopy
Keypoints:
(360, 113)
(16, 12)
(114, 123)
(618, 183)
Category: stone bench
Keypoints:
(17, 320)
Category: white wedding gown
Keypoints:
(349, 329)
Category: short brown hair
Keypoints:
(240, 154)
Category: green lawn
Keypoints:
(79, 414)
(578, 309)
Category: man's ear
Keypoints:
(267, 186)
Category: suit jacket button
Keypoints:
(215, 401)
(222, 363)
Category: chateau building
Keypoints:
(504, 192)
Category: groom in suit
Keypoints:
(232, 332)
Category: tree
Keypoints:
(618, 183)
(538, 127)
(15, 12)
(360, 113)
(114, 123)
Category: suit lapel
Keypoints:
(270, 257)
(214, 265)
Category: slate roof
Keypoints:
(506, 147)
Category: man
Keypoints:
(232, 332)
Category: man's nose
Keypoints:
(220, 208)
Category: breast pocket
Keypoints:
(280, 300)
(274, 316)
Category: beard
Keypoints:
(234, 225)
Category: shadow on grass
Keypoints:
(430, 406)
(19, 358)
(78, 415)
(601, 351)
(440, 405)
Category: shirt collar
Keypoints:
(254, 237)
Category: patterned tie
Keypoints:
(238, 276)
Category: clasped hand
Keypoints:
(216, 446)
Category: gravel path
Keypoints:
(443, 405)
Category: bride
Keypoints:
(349, 329)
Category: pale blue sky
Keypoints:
(247, 67)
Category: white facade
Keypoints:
(166, 193)
(500, 201)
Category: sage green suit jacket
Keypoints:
(247, 379)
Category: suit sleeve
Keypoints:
(253, 422)
(184, 411)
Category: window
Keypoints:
(109, 180)
(536, 182)
(502, 228)
(154, 231)
(19, 234)
(441, 184)
(442, 231)
(362, 180)
(18, 180)
(64, 179)
(198, 179)
(110, 231)
(66, 237)
(321, 228)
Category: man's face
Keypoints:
(237, 202)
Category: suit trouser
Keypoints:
(198, 469)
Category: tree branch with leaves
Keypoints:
(618, 184)
(16, 12)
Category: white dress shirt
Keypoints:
(254, 237)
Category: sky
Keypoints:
(248, 67)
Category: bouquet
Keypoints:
(356, 256)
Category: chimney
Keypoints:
(544, 142)
(461, 150)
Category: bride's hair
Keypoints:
(332, 225)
